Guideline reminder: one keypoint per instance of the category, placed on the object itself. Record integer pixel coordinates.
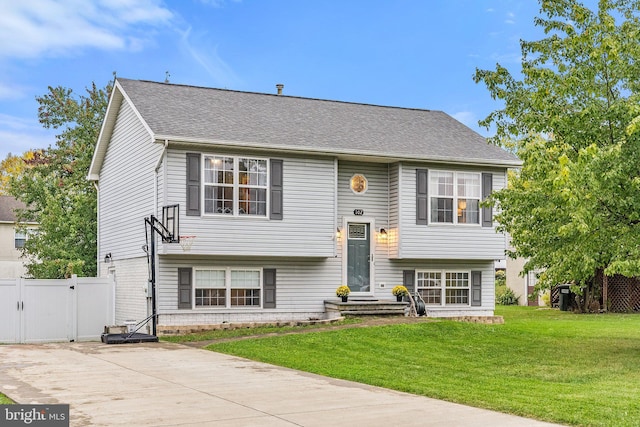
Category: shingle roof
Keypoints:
(287, 122)
(7, 206)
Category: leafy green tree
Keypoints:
(573, 118)
(55, 189)
(11, 166)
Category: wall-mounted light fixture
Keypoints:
(382, 234)
(107, 257)
(338, 232)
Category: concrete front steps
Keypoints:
(365, 307)
(374, 307)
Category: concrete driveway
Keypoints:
(161, 384)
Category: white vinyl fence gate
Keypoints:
(35, 311)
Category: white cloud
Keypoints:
(217, 3)
(511, 18)
(15, 123)
(8, 91)
(19, 135)
(207, 57)
(32, 28)
(507, 58)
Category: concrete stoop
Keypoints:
(365, 307)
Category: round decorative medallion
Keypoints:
(358, 184)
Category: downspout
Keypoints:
(335, 207)
(400, 216)
(154, 294)
(95, 184)
(388, 207)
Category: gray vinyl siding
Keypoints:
(302, 284)
(131, 278)
(126, 187)
(439, 241)
(488, 277)
(394, 210)
(306, 230)
(376, 204)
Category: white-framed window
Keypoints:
(454, 197)
(245, 288)
(235, 185)
(20, 238)
(430, 286)
(211, 289)
(457, 286)
(439, 287)
(228, 287)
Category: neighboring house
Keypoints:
(12, 239)
(288, 198)
(521, 284)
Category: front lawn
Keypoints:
(545, 364)
(4, 400)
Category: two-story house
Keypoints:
(288, 198)
(12, 238)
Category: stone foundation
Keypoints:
(193, 329)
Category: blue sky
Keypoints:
(406, 53)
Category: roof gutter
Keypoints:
(371, 156)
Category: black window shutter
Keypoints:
(422, 196)
(269, 287)
(476, 288)
(487, 212)
(276, 189)
(184, 287)
(193, 184)
(408, 279)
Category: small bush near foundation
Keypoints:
(546, 299)
(501, 278)
(505, 296)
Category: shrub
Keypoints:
(505, 296)
(546, 299)
(501, 278)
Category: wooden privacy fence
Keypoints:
(75, 309)
(623, 294)
(620, 294)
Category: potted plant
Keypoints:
(400, 292)
(343, 292)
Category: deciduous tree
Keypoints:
(573, 116)
(55, 189)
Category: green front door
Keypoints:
(358, 257)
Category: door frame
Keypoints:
(372, 250)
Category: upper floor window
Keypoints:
(455, 197)
(20, 238)
(235, 185)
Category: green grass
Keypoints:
(4, 400)
(545, 364)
